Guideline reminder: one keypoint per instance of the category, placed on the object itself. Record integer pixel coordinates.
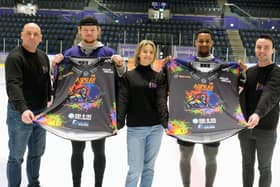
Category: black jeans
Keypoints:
(262, 143)
(77, 161)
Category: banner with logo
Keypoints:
(84, 106)
(203, 105)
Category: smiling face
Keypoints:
(89, 34)
(203, 44)
(146, 55)
(264, 50)
(31, 36)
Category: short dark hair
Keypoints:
(88, 21)
(268, 37)
(207, 31)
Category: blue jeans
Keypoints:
(20, 136)
(143, 144)
(262, 142)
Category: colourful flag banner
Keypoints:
(203, 100)
(84, 106)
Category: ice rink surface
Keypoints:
(56, 171)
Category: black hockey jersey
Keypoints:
(203, 100)
(84, 105)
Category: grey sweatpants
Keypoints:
(210, 153)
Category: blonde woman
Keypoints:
(142, 104)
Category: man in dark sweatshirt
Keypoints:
(260, 106)
(29, 91)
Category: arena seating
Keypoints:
(6, 3)
(166, 32)
(259, 8)
(63, 4)
(57, 32)
(52, 4)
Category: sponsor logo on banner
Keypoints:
(80, 123)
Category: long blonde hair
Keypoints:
(138, 50)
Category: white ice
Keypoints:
(56, 172)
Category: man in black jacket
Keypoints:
(29, 91)
(260, 105)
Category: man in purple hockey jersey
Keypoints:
(89, 31)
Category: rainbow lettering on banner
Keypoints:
(239, 116)
(235, 71)
(177, 127)
(54, 120)
(174, 67)
(113, 116)
(236, 68)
